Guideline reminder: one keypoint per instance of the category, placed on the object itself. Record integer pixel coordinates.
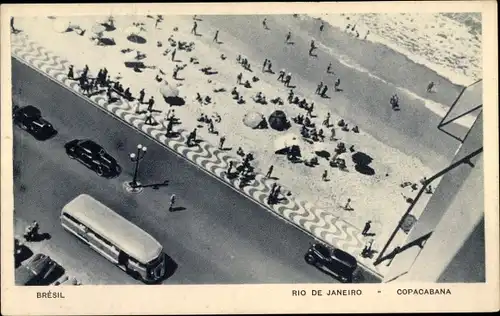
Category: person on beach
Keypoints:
(322, 26)
(430, 86)
(170, 127)
(323, 92)
(269, 171)
(318, 89)
(239, 78)
(264, 24)
(288, 37)
(264, 65)
(312, 48)
(281, 76)
(329, 69)
(158, 20)
(347, 206)
(324, 176)
(326, 121)
(149, 118)
(216, 37)
(71, 74)
(151, 102)
(269, 66)
(366, 35)
(222, 140)
(288, 78)
(172, 202)
(337, 84)
(332, 135)
(310, 110)
(12, 28)
(194, 29)
(366, 228)
(141, 96)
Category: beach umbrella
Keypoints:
(278, 121)
(98, 28)
(253, 119)
(61, 25)
(167, 90)
(171, 95)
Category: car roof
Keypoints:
(89, 144)
(30, 110)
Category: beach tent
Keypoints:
(61, 25)
(253, 119)
(278, 121)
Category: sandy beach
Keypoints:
(404, 145)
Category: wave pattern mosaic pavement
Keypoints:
(314, 221)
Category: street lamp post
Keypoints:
(141, 152)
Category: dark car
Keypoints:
(30, 119)
(334, 261)
(93, 156)
(21, 252)
(39, 270)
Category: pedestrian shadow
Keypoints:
(177, 209)
(197, 34)
(273, 178)
(314, 55)
(226, 148)
(269, 71)
(290, 43)
(338, 90)
(324, 96)
(172, 135)
(179, 79)
(41, 237)
(369, 234)
(16, 31)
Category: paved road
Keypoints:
(220, 237)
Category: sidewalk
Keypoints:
(323, 217)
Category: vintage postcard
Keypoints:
(205, 158)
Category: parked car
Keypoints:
(39, 270)
(30, 119)
(333, 261)
(93, 156)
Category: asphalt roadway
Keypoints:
(219, 237)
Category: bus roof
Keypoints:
(128, 237)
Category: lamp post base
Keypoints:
(127, 185)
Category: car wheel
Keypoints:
(99, 171)
(310, 259)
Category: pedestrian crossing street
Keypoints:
(319, 223)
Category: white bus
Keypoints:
(115, 238)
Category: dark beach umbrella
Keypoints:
(278, 121)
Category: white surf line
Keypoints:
(437, 108)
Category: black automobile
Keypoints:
(93, 156)
(333, 261)
(39, 270)
(30, 119)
